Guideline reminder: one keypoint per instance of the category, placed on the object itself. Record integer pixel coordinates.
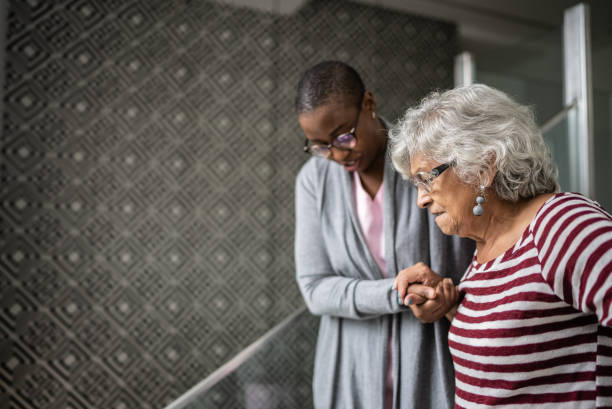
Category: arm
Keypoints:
(574, 241)
(324, 290)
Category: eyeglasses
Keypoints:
(345, 142)
(425, 180)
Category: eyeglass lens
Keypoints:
(343, 141)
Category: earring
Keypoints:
(478, 210)
(373, 115)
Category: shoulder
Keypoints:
(312, 168)
(315, 173)
(562, 204)
(568, 213)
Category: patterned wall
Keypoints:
(148, 154)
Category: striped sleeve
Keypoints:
(574, 237)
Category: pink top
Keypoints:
(370, 215)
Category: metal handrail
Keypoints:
(233, 364)
(558, 117)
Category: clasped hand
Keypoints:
(429, 296)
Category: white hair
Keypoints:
(475, 128)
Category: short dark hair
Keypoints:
(325, 81)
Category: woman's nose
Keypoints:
(423, 198)
(339, 155)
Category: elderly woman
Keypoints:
(533, 324)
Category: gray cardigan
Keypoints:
(340, 281)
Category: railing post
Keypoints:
(578, 88)
(465, 69)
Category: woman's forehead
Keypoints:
(419, 163)
(326, 118)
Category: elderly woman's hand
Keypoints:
(428, 295)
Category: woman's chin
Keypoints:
(444, 225)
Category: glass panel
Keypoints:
(532, 73)
(601, 62)
(556, 140)
(602, 141)
(278, 376)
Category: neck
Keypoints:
(372, 178)
(497, 229)
(503, 224)
(498, 217)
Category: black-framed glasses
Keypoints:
(425, 180)
(345, 141)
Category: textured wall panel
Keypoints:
(148, 156)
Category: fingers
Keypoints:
(449, 291)
(426, 312)
(418, 294)
(435, 308)
(418, 273)
(411, 299)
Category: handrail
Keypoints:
(230, 366)
(558, 117)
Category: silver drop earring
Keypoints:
(478, 210)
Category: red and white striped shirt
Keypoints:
(534, 326)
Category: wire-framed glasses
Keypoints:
(345, 141)
(424, 180)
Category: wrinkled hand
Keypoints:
(428, 295)
(444, 301)
(421, 279)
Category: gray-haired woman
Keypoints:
(533, 324)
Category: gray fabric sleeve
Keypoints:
(375, 297)
(324, 291)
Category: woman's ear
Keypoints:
(489, 176)
(369, 104)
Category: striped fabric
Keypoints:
(533, 329)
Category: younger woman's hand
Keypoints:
(443, 303)
(416, 284)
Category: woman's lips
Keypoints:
(436, 215)
(351, 166)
